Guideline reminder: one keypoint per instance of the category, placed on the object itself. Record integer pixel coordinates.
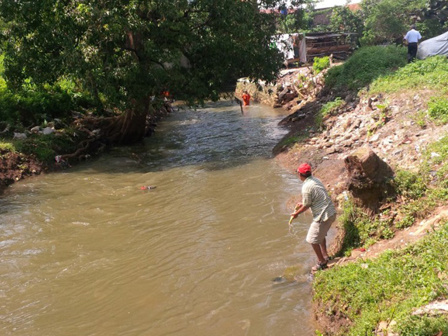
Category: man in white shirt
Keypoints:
(412, 37)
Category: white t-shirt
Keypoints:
(412, 36)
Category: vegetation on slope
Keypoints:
(393, 286)
(390, 288)
(364, 66)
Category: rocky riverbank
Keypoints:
(396, 128)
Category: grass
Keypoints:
(438, 110)
(431, 73)
(289, 141)
(327, 110)
(390, 288)
(419, 192)
(364, 66)
(43, 147)
(362, 229)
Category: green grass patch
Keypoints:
(420, 119)
(390, 288)
(362, 229)
(409, 184)
(438, 110)
(327, 110)
(431, 73)
(364, 66)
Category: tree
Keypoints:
(388, 20)
(345, 20)
(127, 52)
(297, 18)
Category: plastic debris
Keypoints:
(147, 187)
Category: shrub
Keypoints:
(321, 63)
(364, 66)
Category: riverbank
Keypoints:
(402, 119)
(55, 147)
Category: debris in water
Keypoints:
(147, 187)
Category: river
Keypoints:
(87, 252)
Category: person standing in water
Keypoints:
(246, 98)
(315, 197)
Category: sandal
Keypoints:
(319, 267)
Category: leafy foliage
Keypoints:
(345, 20)
(33, 105)
(389, 20)
(409, 184)
(124, 51)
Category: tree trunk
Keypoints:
(130, 127)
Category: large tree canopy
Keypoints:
(125, 52)
(388, 20)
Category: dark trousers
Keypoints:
(412, 51)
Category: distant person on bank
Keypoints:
(412, 37)
(316, 198)
(246, 98)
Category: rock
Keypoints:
(47, 131)
(433, 308)
(374, 138)
(35, 129)
(19, 136)
(368, 178)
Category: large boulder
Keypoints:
(368, 179)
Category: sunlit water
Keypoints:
(86, 252)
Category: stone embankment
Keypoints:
(389, 125)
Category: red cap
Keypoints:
(304, 168)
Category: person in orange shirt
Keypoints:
(246, 98)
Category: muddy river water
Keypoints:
(87, 252)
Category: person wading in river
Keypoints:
(315, 197)
(246, 98)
